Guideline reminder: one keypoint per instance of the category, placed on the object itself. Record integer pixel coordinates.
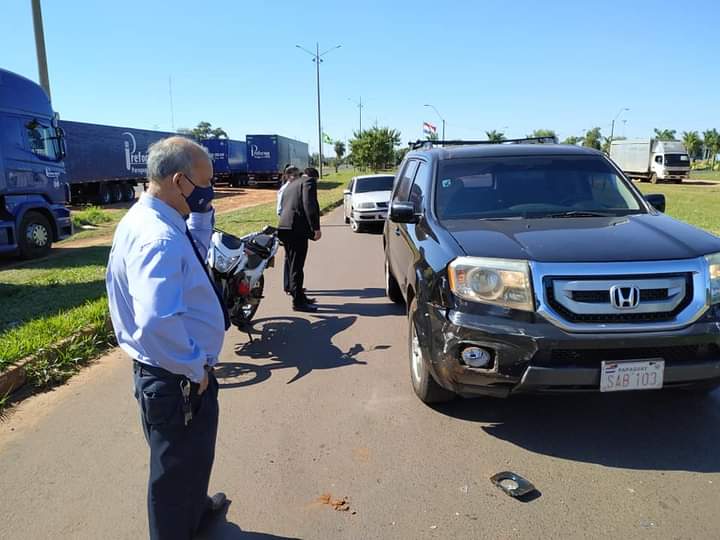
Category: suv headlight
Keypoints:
(365, 205)
(500, 282)
(714, 274)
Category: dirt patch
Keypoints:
(339, 505)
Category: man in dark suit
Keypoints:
(299, 223)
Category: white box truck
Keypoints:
(650, 160)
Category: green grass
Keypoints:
(697, 205)
(44, 302)
(92, 215)
(100, 222)
(705, 175)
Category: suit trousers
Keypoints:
(181, 456)
(296, 249)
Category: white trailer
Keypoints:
(651, 160)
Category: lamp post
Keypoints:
(360, 107)
(612, 126)
(439, 116)
(40, 47)
(317, 58)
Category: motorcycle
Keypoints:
(237, 266)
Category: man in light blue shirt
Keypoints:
(169, 318)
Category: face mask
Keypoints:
(200, 197)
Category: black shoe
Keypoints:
(217, 502)
(214, 507)
(310, 300)
(307, 308)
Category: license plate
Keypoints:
(631, 375)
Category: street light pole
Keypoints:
(612, 126)
(317, 58)
(360, 107)
(441, 119)
(40, 47)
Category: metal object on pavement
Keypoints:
(513, 484)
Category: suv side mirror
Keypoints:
(403, 212)
(346, 192)
(657, 201)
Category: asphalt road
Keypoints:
(322, 404)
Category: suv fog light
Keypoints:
(476, 357)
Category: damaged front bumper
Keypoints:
(529, 354)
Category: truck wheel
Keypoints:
(35, 236)
(423, 382)
(392, 289)
(104, 195)
(116, 193)
(653, 178)
(128, 192)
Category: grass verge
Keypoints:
(705, 175)
(696, 205)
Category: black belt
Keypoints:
(160, 372)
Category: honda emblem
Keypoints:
(624, 297)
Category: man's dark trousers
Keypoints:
(181, 456)
(296, 249)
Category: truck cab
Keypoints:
(33, 188)
(670, 161)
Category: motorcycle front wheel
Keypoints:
(248, 310)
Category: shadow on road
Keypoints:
(290, 342)
(226, 530)
(647, 431)
(354, 293)
(362, 310)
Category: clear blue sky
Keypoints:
(563, 65)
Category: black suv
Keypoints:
(540, 267)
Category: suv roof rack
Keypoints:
(532, 140)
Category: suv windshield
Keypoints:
(378, 183)
(531, 187)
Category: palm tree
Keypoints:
(712, 144)
(339, 153)
(692, 142)
(665, 134)
(495, 136)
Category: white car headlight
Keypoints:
(500, 282)
(365, 205)
(714, 274)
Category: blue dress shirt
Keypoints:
(163, 308)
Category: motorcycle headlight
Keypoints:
(714, 277)
(223, 264)
(500, 282)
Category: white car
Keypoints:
(366, 200)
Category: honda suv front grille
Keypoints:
(619, 299)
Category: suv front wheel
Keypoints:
(423, 382)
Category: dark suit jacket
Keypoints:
(300, 208)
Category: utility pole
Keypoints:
(360, 107)
(172, 108)
(40, 46)
(317, 58)
(612, 126)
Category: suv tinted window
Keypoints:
(416, 191)
(403, 190)
(530, 187)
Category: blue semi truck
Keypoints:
(104, 164)
(33, 187)
(229, 160)
(268, 155)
